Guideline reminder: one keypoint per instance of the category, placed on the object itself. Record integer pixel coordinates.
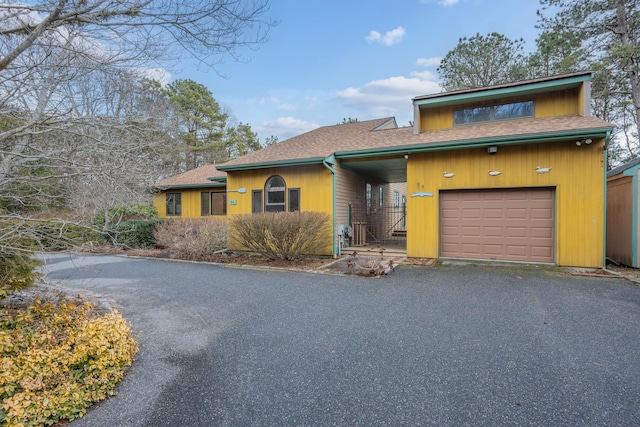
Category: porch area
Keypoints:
(379, 231)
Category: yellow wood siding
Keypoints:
(190, 202)
(620, 219)
(577, 174)
(314, 181)
(558, 103)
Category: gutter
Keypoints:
(335, 250)
(274, 164)
(604, 228)
(476, 143)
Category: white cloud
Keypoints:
(424, 75)
(253, 102)
(389, 38)
(388, 97)
(288, 107)
(286, 127)
(429, 62)
(158, 74)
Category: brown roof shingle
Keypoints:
(194, 177)
(328, 140)
(315, 144)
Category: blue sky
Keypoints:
(328, 60)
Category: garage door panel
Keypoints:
(498, 224)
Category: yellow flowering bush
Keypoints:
(58, 359)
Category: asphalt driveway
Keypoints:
(454, 345)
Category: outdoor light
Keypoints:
(492, 149)
(239, 190)
(584, 141)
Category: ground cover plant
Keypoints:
(57, 359)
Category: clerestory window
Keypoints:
(512, 110)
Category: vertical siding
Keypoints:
(552, 104)
(315, 183)
(190, 202)
(619, 219)
(350, 189)
(577, 174)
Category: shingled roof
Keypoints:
(194, 178)
(315, 145)
(372, 136)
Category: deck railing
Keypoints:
(377, 225)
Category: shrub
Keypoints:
(191, 238)
(127, 212)
(56, 360)
(17, 271)
(136, 233)
(283, 235)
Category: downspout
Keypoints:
(604, 243)
(634, 220)
(334, 247)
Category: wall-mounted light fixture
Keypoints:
(239, 190)
(492, 149)
(584, 141)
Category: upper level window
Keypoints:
(274, 192)
(513, 110)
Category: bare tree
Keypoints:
(80, 126)
(144, 29)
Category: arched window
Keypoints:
(275, 190)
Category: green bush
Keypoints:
(123, 213)
(17, 271)
(134, 233)
(283, 235)
(191, 238)
(57, 360)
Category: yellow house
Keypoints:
(197, 193)
(508, 172)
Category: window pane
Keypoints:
(513, 110)
(275, 183)
(471, 115)
(275, 193)
(178, 199)
(275, 197)
(218, 203)
(294, 199)
(256, 201)
(204, 204)
(173, 205)
(274, 208)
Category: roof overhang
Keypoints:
(189, 186)
(480, 142)
(275, 164)
(466, 97)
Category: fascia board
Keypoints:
(188, 186)
(276, 164)
(483, 95)
(476, 143)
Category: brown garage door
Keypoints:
(515, 224)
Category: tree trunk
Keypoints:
(630, 66)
